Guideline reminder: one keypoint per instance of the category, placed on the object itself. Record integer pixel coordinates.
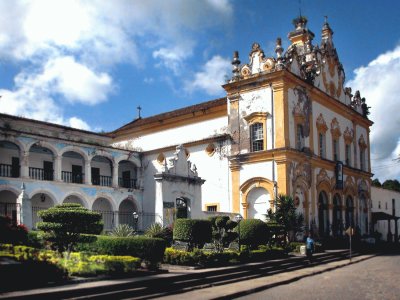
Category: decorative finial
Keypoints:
(235, 64)
(139, 110)
(279, 51)
(23, 186)
(325, 19)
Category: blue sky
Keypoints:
(89, 64)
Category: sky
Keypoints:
(90, 64)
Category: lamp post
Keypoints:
(135, 219)
(238, 219)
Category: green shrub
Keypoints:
(156, 230)
(195, 232)
(34, 239)
(253, 232)
(63, 225)
(150, 250)
(117, 264)
(295, 246)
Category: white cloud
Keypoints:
(78, 123)
(68, 47)
(211, 76)
(378, 82)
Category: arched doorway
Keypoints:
(103, 206)
(101, 169)
(73, 165)
(40, 201)
(323, 216)
(41, 163)
(363, 214)
(126, 211)
(349, 215)
(9, 206)
(127, 174)
(182, 208)
(337, 223)
(258, 200)
(9, 159)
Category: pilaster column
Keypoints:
(57, 168)
(25, 164)
(115, 175)
(235, 173)
(88, 172)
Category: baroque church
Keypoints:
(286, 126)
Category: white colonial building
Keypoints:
(385, 209)
(287, 126)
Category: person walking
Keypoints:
(310, 247)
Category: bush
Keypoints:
(253, 232)
(63, 225)
(295, 246)
(151, 250)
(156, 230)
(195, 232)
(199, 257)
(11, 232)
(34, 239)
(117, 264)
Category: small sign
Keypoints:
(350, 231)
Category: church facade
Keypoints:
(286, 126)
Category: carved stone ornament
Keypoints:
(348, 135)
(303, 109)
(349, 186)
(302, 170)
(321, 124)
(361, 142)
(335, 128)
(245, 72)
(322, 176)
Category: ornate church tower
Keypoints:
(296, 130)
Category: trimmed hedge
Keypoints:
(253, 232)
(151, 250)
(195, 232)
(117, 264)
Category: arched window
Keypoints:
(337, 216)
(257, 137)
(349, 212)
(321, 144)
(323, 216)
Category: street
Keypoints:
(375, 278)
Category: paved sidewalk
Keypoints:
(229, 291)
(208, 291)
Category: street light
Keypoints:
(238, 219)
(135, 219)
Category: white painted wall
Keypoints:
(382, 202)
(180, 134)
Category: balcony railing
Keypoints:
(102, 180)
(9, 171)
(40, 174)
(70, 177)
(127, 183)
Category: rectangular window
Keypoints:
(257, 137)
(300, 137)
(335, 150)
(322, 145)
(211, 208)
(348, 154)
(362, 159)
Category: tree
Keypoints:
(393, 185)
(285, 215)
(222, 233)
(64, 225)
(376, 183)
